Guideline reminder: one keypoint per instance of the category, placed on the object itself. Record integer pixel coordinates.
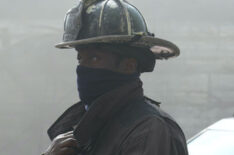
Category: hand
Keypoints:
(63, 144)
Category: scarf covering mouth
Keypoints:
(94, 82)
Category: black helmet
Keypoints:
(118, 23)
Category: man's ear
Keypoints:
(128, 65)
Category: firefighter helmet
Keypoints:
(114, 22)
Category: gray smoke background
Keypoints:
(38, 82)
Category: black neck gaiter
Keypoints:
(93, 82)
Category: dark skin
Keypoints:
(66, 144)
(96, 58)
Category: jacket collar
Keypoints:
(89, 123)
(67, 120)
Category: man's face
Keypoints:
(97, 58)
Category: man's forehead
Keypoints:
(88, 48)
(96, 51)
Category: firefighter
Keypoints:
(114, 117)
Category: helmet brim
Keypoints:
(162, 49)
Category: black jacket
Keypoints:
(122, 122)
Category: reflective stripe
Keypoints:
(127, 17)
(101, 15)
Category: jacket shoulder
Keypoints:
(140, 110)
(145, 118)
